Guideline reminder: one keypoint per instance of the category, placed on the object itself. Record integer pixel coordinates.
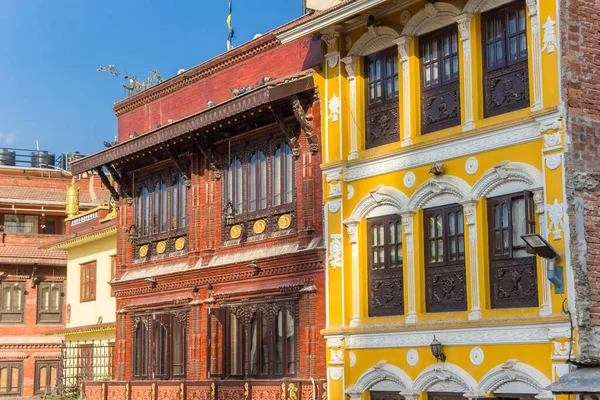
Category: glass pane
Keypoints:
(371, 92)
(162, 356)
(253, 346)
(279, 343)
(459, 222)
(446, 45)
(389, 87)
(6, 297)
(146, 211)
(252, 184)
(491, 57)
(435, 75)
(440, 250)
(432, 254)
(14, 379)
(490, 30)
(454, 66)
(389, 66)
(42, 378)
(290, 343)
(512, 23)
(447, 72)
(392, 232)
(396, 86)
(265, 344)
(428, 75)
(499, 31)
(235, 342)
(427, 51)
(454, 42)
(393, 256)
(440, 226)
(156, 208)
(521, 19)
(378, 90)
(4, 380)
(374, 230)
(277, 177)
(378, 69)
(452, 254)
(523, 45)
(371, 71)
(518, 227)
(434, 50)
(513, 48)
(499, 52)
(163, 206)
(17, 304)
(289, 174)
(431, 227)
(175, 200)
(461, 246)
(505, 215)
(505, 243)
(399, 253)
(395, 58)
(452, 223)
(263, 180)
(381, 256)
(238, 189)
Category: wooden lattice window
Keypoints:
(12, 309)
(381, 87)
(46, 376)
(506, 73)
(445, 259)
(440, 86)
(513, 271)
(50, 303)
(87, 287)
(386, 294)
(11, 378)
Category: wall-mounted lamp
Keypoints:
(543, 249)
(436, 350)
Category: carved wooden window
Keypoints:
(386, 294)
(445, 259)
(46, 376)
(87, 286)
(506, 74)
(260, 180)
(161, 206)
(11, 378)
(253, 340)
(513, 271)
(440, 86)
(381, 85)
(12, 310)
(159, 345)
(50, 303)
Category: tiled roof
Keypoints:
(32, 255)
(45, 194)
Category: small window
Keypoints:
(50, 303)
(445, 259)
(386, 294)
(440, 87)
(46, 377)
(14, 223)
(87, 287)
(513, 270)
(12, 310)
(11, 377)
(381, 86)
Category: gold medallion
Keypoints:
(284, 221)
(143, 251)
(260, 226)
(235, 231)
(180, 243)
(161, 247)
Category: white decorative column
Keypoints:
(470, 211)
(350, 64)
(464, 26)
(403, 44)
(407, 223)
(353, 392)
(536, 55)
(540, 210)
(352, 227)
(410, 394)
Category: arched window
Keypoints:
(140, 356)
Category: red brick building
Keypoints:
(220, 277)
(32, 280)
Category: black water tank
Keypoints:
(7, 157)
(42, 159)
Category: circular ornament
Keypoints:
(352, 359)
(412, 357)
(143, 250)
(284, 221)
(161, 247)
(179, 243)
(476, 356)
(472, 165)
(260, 226)
(235, 231)
(405, 17)
(409, 179)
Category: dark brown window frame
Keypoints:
(451, 272)
(11, 365)
(148, 365)
(379, 129)
(218, 331)
(243, 154)
(437, 92)
(47, 388)
(87, 281)
(385, 280)
(508, 293)
(503, 74)
(10, 285)
(41, 313)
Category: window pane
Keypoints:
(378, 90)
(42, 377)
(290, 343)
(279, 343)
(263, 180)
(491, 57)
(523, 45)
(452, 223)
(452, 255)
(435, 73)
(6, 297)
(183, 203)
(431, 227)
(378, 69)
(4, 380)
(253, 345)
(389, 88)
(163, 205)
(146, 215)
(499, 52)
(396, 86)
(440, 226)
(277, 177)
(14, 380)
(434, 50)
(265, 344)
(53, 376)
(512, 23)
(446, 45)
(235, 345)
(513, 48)
(289, 174)
(447, 72)
(178, 347)
(461, 247)
(175, 203)
(505, 215)
(252, 184)
(371, 71)
(454, 66)
(156, 205)
(440, 251)
(518, 227)
(238, 187)
(432, 254)
(459, 222)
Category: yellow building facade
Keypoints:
(443, 144)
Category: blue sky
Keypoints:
(50, 50)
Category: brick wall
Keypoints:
(580, 38)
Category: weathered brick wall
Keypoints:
(580, 34)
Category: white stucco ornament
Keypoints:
(336, 373)
(334, 205)
(335, 250)
(409, 179)
(405, 17)
(350, 191)
(471, 165)
(553, 161)
(352, 357)
(555, 212)
(476, 356)
(549, 36)
(412, 357)
(334, 108)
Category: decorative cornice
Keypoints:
(86, 238)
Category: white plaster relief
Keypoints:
(337, 356)
(334, 206)
(412, 357)
(464, 26)
(407, 224)
(476, 356)
(352, 228)
(335, 373)
(331, 37)
(334, 108)
(560, 350)
(403, 44)
(352, 358)
(549, 36)
(552, 141)
(405, 17)
(409, 179)
(556, 213)
(470, 212)
(395, 378)
(335, 251)
(350, 191)
(350, 65)
(553, 161)
(335, 190)
(334, 176)
(536, 56)
(559, 333)
(332, 59)
(444, 377)
(551, 125)
(513, 377)
(471, 165)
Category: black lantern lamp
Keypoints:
(132, 231)
(436, 350)
(229, 211)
